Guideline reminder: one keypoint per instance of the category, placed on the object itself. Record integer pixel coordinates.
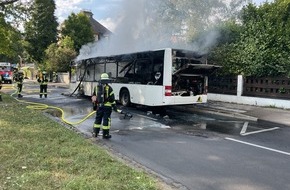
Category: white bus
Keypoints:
(152, 78)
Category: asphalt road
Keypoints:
(189, 150)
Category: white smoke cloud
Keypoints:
(109, 23)
(137, 30)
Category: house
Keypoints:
(100, 31)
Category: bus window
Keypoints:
(111, 69)
(143, 72)
(126, 69)
(89, 73)
(157, 75)
(99, 69)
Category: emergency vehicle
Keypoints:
(6, 72)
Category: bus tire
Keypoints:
(125, 98)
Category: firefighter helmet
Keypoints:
(104, 79)
(44, 72)
(104, 76)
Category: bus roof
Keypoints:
(118, 56)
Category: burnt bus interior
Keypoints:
(187, 78)
(188, 70)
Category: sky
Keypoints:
(102, 9)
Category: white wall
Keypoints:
(63, 78)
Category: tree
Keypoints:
(10, 46)
(58, 57)
(41, 30)
(12, 12)
(263, 45)
(79, 29)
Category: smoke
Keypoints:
(147, 25)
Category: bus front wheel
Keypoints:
(125, 98)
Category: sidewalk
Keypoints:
(266, 114)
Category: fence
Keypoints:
(267, 87)
(258, 87)
(274, 92)
(223, 85)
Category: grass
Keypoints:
(39, 153)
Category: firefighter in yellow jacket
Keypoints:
(42, 80)
(104, 99)
(19, 78)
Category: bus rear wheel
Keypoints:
(125, 98)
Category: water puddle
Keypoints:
(201, 123)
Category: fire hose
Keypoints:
(41, 106)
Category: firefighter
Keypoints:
(19, 78)
(0, 88)
(104, 99)
(42, 80)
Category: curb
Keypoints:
(280, 124)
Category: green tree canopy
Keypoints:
(12, 12)
(79, 29)
(41, 29)
(10, 46)
(59, 56)
(263, 45)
